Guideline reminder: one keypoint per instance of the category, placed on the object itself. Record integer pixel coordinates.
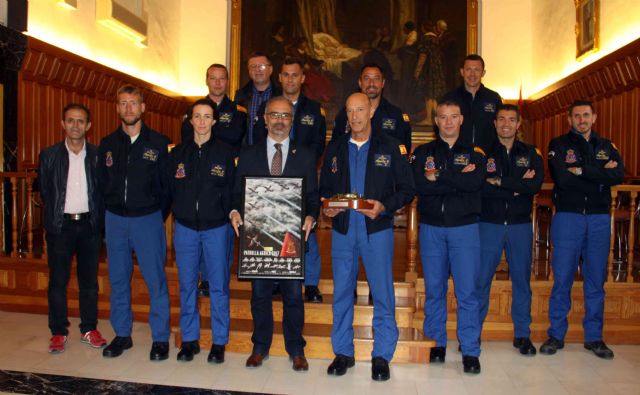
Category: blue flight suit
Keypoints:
(581, 226)
(377, 170)
(309, 129)
(131, 177)
(200, 180)
(449, 237)
(505, 224)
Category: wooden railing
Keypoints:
(18, 206)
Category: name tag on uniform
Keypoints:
(522, 161)
(489, 107)
(307, 120)
(461, 159)
(602, 155)
(225, 117)
(382, 160)
(150, 154)
(180, 172)
(388, 123)
(491, 165)
(217, 170)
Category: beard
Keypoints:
(130, 121)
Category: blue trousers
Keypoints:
(516, 241)
(575, 235)
(376, 251)
(212, 244)
(454, 250)
(144, 235)
(292, 316)
(312, 262)
(230, 251)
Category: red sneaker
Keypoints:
(56, 344)
(94, 339)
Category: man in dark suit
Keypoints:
(275, 156)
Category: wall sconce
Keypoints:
(122, 21)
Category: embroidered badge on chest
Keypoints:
(522, 161)
(307, 120)
(180, 172)
(430, 164)
(388, 123)
(217, 170)
(225, 117)
(489, 107)
(461, 159)
(108, 160)
(570, 157)
(382, 160)
(150, 154)
(334, 165)
(602, 155)
(491, 165)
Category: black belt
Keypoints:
(76, 217)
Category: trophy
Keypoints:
(347, 200)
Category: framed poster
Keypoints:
(272, 239)
(587, 27)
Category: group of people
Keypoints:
(475, 184)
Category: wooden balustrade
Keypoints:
(17, 193)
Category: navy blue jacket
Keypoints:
(512, 201)
(387, 118)
(589, 193)
(479, 112)
(200, 180)
(243, 97)
(454, 199)
(132, 176)
(309, 125)
(388, 181)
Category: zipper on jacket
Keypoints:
(198, 183)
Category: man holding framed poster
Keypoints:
(271, 159)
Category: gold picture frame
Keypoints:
(587, 27)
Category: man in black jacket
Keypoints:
(277, 156)
(309, 129)
(584, 167)
(449, 175)
(371, 164)
(477, 102)
(514, 175)
(255, 93)
(131, 167)
(73, 217)
(387, 118)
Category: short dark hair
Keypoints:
(474, 57)
(217, 66)
(259, 54)
(371, 65)
(205, 102)
(132, 90)
(508, 107)
(449, 102)
(76, 106)
(289, 60)
(582, 103)
(410, 25)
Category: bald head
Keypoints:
(359, 114)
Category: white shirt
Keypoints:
(77, 197)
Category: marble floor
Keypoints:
(572, 371)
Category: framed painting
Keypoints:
(336, 37)
(272, 240)
(587, 27)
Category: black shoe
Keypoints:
(471, 364)
(216, 355)
(159, 351)
(312, 294)
(551, 346)
(187, 351)
(340, 365)
(380, 369)
(203, 289)
(437, 354)
(117, 346)
(600, 349)
(524, 345)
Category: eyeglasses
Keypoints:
(261, 67)
(280, 115)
